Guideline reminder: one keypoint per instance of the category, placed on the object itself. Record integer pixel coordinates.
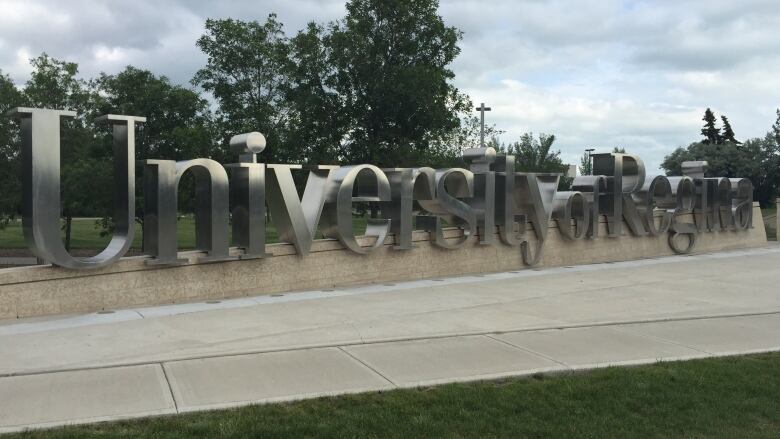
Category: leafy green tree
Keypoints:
(177, 127)
(317, 121)
(54, 84)
(534, 154)
(776, 129)
(10, 179)
(247, 73)
(392, 62)
(373, 87)
(710, 132)
(178, 119)
(756, 159)
(728, 133)
(586, 165)
(619, 150)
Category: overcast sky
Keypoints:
(636, 74)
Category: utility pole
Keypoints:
(482, 109)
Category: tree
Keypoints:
(392, 63)
(317, 120)
(586, 165)
(619, 150)
(776, 129)
(247, 72)
(756, 159)
(536, 155)
(373, 87)
(178, 119)
(710, 132)
(728, 132)
(85, 159)
(177, 127)
(10, 171)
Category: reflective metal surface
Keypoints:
(534, 195)
(625, 174)
(509, 219)
(337, 215)
(572, 213)
(655, 195)
(484, 203)
(41, 186)
(490, 193)
(161, 203)
(406, 186)
(684, 193)
(296, 218)
(247, 190)
(592, 187)
(451, 185)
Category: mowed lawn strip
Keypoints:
(724, 397)
(85, 234)
(770, 222)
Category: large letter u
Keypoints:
(41, 186)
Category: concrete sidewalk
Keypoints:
(200, 356)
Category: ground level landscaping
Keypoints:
(724, 397)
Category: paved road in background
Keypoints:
(178, 358)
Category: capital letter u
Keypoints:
(41, 186)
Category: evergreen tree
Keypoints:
(728, 133)
(619, 150)
(776, 129)
(710, 132)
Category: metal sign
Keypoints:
(489, 195)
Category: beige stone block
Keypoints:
(45, 290)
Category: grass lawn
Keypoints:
(86, 235)
(735, 397)
(770, 222)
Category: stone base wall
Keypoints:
(130, 282)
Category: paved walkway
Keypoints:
(189, 357)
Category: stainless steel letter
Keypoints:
(211, 211)
(247, 190)
(41, 186)
(296, 218)
(450, 184)
(535, 195)
(406, 185)
(372, 186)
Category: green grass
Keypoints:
(737, 397)
(770, 222)
(85, 234)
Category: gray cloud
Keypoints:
(636, 74)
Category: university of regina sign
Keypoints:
(488, 195)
